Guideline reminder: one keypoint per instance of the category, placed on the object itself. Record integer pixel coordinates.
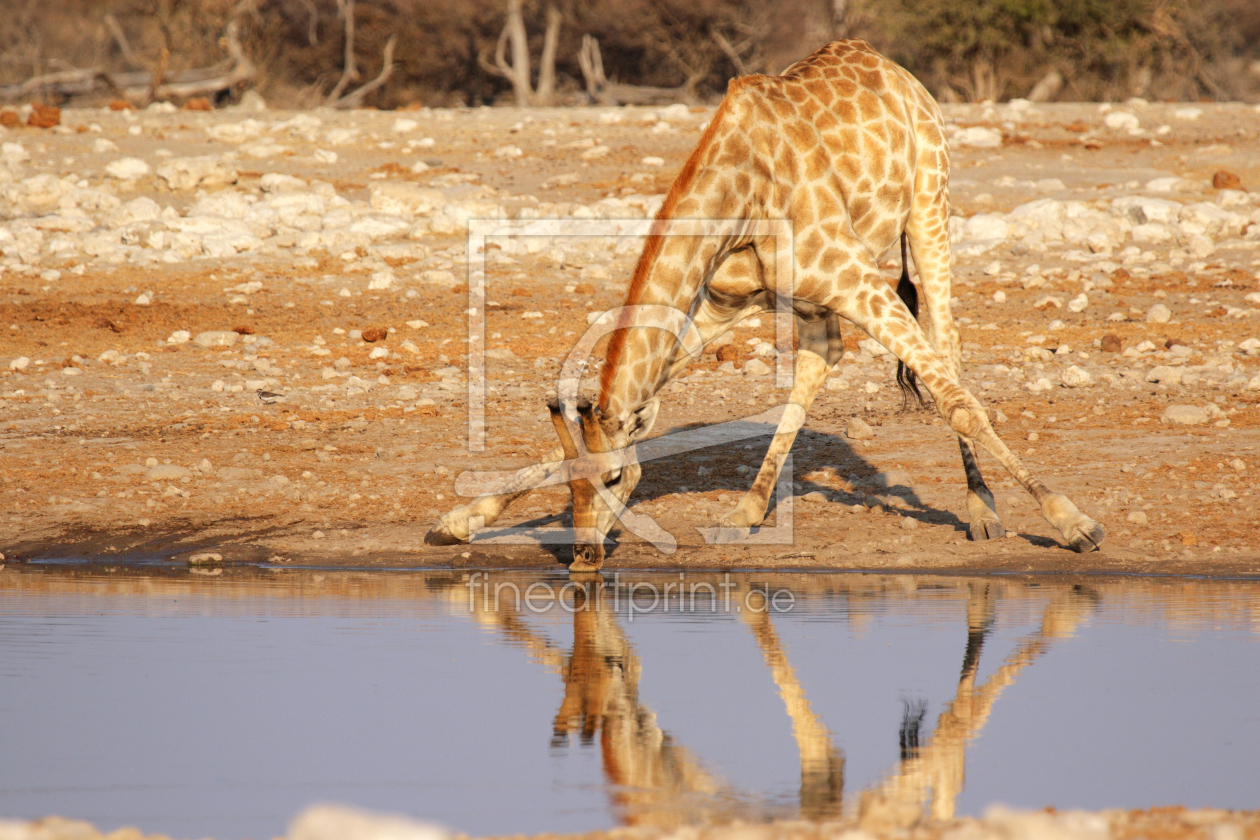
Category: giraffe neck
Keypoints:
(670, 272)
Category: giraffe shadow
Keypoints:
(716, 469)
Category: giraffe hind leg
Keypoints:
(906, 380)
(877, 310)
(981, 508)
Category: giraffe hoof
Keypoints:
(986, 529)
(440, 534)
(1085, 536)
(1079, 531)
(723, 534)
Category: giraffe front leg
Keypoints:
(811, 371)
(458, 526)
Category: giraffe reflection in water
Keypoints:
(655, 781)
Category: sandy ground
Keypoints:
(359, 458)
(1172, 823)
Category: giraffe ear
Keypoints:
(640, 421)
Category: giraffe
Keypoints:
(849, 148)
(654, 780)
(929, 779)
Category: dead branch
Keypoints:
(312, 28)
(164, 57)
(236, 70)
(603, 92)
(592, 65)
(120, 38)
(350, 72)
(731, 53)
(355, 98)
(545, 92)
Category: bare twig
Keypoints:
(601, 91)
(731, 53)
(120, 38)
(312, 29)
(350, 72)
(355, 98)
(164, 57)
(237, 70)
(547, 62)
(592, 65)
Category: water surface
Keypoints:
(220, 706)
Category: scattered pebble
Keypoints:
(858, 429)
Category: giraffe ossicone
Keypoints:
(849, 149)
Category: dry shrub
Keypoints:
(1106, 49)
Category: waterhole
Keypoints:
(219, 705)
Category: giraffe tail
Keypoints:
(909, 294)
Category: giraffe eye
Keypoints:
(613, 480)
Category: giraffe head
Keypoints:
(600, 476)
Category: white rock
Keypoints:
(1041, 384)
(756, 367)
(1158, 314)
(378, 353)
(144, 299)
(179, 337)
(1200, 246)
(978, 137)
(142, 209)
(14, 153)
(324, 156)
(1188, 113)
(1078, 303)
(653, 160)
(404, 124)
(1076, 377)
(405, 199)
(127, 169)
(336, 822)
(984, 226)
(216, 338)
(1151, 233)
(1137, 517)
(380, 226)
(278, 182)
(1233, 198)
(381, 280)
(1121, 121)
(1166, 374)
(103, 146)
(1185, 415)
(236, 132)
(1206, 218)
(1141, 209)
(20, 363)
(1170, 184)
(341, 136)
(510, 152)
(858, 429)
(224, 204)
(191, 172)
(167, 472)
